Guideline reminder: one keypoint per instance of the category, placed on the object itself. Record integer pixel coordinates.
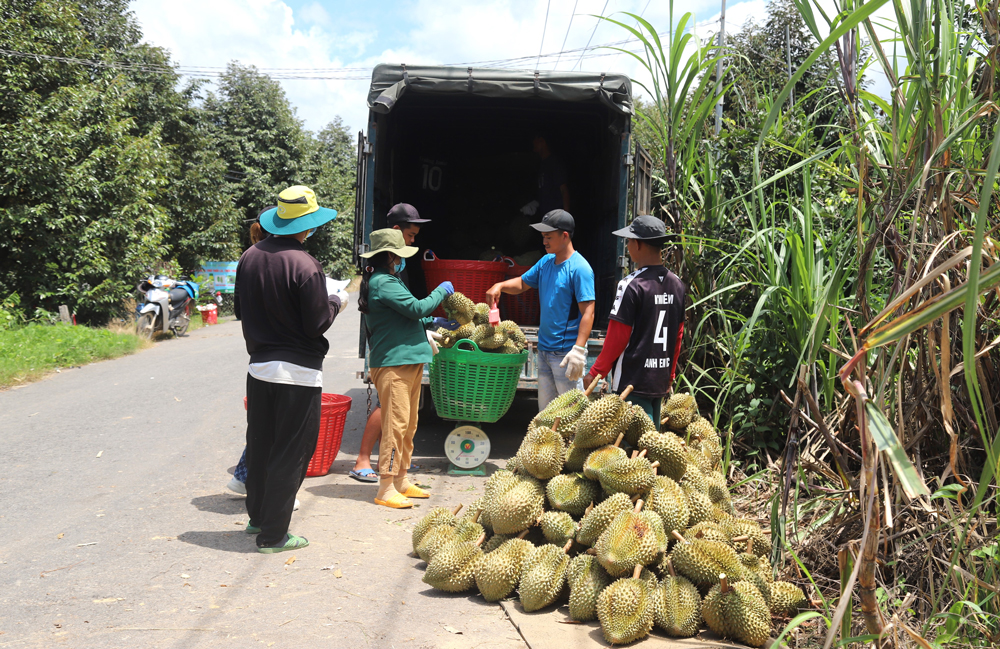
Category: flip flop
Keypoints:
(396, 501)
(416, 492)
(364, 475)
(251, 528)
(293, 543)
(413, 467)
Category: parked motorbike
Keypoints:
(167, 306)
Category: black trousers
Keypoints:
(282, 427)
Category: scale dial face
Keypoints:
(467, 447)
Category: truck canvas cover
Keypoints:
(390, 82)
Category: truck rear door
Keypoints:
(361, 197)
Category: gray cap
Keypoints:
(556, 220)
(643, 227)
(404, 213)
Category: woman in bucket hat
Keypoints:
(400, 341)
(285, 308)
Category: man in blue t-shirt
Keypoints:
(565, 283)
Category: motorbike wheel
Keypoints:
(144, 326)
(183, 321)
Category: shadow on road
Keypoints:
(227, 504)
(362, 492)
(237, 541)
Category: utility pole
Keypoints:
(718, 69)
(788, 59)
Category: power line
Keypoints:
(568, 27)
(544, 27)
(593, 32)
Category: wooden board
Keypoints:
(551, 628)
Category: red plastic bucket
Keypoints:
(524, 309)
(470, 278)
(333, 416)
(209, 314)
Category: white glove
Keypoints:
(574, 362)
(344, 297)
(432, 338)
(530, 208)
(336, 287)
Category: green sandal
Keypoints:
(293, 543)
(251, 528)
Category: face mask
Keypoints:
(310, 233)
(398, 268)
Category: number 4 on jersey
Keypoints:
(661, 331)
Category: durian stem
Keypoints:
(635, 454)
(677, 535)
(670, 567)
(589, 509)
(555, 423)
(475, 519)
(654, 464)
(479, 541)
(593, 384)
(638, 506)
(749, 545)
(627, 391)
(637, 571)
(568, 545)
(642, 453)
(455, 511)
(723, 583)
(523, 534)
(618, 441)
(739, 539)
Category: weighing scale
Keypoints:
(467, 447)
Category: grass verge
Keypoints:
(27, 353)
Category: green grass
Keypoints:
(27, 353)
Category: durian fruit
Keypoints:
(513, 465)
(586, 580)
(597, 519)
(639, 425)
(543, 576)
(571, 493)
(496, 541)
(452, 568)
(482, 314)
(575, 457)
(751, 561)
(542, 452)
(668, 450)
(625, 609)
(443, 535)
(736, 527)
(633, 538)
(667, 499)
(737, 611)
(558, 527)
(603, 421)
(679, 411)
(699, 505)
(498, 572)
(510, 347)
(488, 338)
(701, 561)
(702, 435)
(447, 339)
(708, 531)
(600, 458)
(787, 599)
(458, 307)
(677, 605)
(718, 491)
(693, 477)
(518, 508)
(479, 505)
(465, 331)
(510, 329)
(698, 459)
(629, 475)
(567, 407)
(435, 517)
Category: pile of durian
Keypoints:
(474, 324)
(641, 538)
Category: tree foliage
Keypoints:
(110, 172)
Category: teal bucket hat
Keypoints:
(297, 212)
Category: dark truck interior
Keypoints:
(466, 162)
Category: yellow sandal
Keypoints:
(396, 501)
(416, 492)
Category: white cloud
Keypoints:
(315, 13)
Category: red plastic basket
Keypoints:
(209, 314)
(470, 278)
(333, 416)
(524, 309)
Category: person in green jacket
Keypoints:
(401, 338)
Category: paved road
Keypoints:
(117, 530)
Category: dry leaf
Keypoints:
(176, 399)
(60, 535)
(109, 599)
(290, 561)
(185, 576)
(83, 545)
(337, 573)
(99, 453)
(452, 630)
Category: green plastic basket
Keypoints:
(473, 385)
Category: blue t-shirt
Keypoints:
(560, 288)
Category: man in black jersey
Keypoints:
(647, 321)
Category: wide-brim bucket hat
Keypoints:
(297, 212)
(389, 240)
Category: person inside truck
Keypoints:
(400, 340)
(553, 179)
(647, 321)
(405, 218)
(565, 283)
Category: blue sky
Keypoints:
(333, 34)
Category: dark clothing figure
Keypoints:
(552, 175)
